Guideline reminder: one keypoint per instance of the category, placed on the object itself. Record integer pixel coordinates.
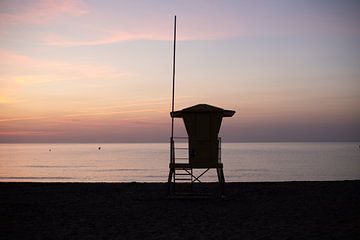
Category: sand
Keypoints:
(288, 210)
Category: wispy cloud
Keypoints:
(39, 11)
(11, 57)
(24, 133)
(31, 70)
(7, 100)
(128, 111)
(20, 119)
(107, 38)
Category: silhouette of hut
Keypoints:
(202, 123)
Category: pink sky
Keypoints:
(100, 71)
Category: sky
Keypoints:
(101, 71)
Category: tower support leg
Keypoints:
(171, 175)
(221, 178)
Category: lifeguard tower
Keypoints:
(202, 123)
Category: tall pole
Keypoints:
(173, 82)
(172, 150)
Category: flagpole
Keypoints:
(172, 150)
(173, 81)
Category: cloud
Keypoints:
(117, 37)
(21, 119)
(40, 11)
(111, 37)
(10, 57)
(107, 38)
(22, 69)
(24, 133)
(7, 100)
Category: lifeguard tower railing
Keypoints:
(181, 167)
(179, 150)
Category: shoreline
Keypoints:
(251, 210)
(139, 182)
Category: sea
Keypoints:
(149, 162)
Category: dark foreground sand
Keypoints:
(289, 210)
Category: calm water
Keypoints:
(149, 162)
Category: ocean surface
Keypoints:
(148, 162)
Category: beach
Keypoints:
(272, 210)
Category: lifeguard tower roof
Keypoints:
(202, 108)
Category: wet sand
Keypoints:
(287, 210)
